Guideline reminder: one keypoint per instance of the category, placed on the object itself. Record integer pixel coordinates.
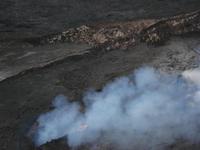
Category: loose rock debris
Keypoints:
(125, 34)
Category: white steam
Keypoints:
(146, 110)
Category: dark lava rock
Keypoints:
(36, 17)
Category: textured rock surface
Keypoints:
(124, 34)
(22, 59)
(36, 17)
(178, 25)
(103, 36)
(110, 35)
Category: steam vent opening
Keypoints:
(100, 75)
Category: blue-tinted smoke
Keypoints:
(146, 110)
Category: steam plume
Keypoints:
(146, 110)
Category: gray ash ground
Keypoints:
(24, 97)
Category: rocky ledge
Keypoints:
(114, 35)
